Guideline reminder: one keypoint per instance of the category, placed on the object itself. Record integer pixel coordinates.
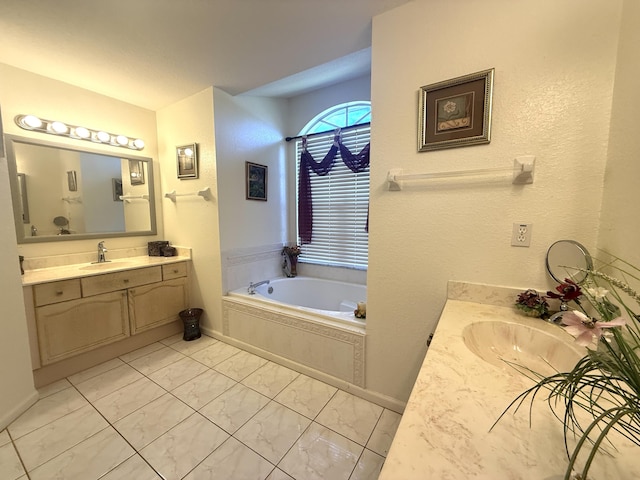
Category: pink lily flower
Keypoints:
(586, 329)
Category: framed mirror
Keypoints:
(98, 194)
(563, 259)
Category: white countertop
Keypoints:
(77, 270)
(444, 432)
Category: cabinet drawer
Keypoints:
(55, 292)
(110, 282)
(174, 270)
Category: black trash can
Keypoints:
(191, 320)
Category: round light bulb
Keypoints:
(59, 127)
(188, 152)
(138, 143)
(31, 121)
(122, 140)
(82, 132)
(103, 137)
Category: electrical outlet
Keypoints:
(521, 235)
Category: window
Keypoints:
(340, 198)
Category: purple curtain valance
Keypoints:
(355, 163)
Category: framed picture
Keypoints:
(456, 112)
(187, 159)
(72, 181)
(136, 172)
(256, 181)
(116, 186)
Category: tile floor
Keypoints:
(198, 410)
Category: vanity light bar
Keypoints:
(54, 127)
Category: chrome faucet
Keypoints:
(101, 251)
(252, 286)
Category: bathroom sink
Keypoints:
(512, 346)
(106, 265)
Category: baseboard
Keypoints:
(8, 417)
(375, 397)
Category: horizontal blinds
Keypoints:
(340, 205)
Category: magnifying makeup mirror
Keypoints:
(564, 257)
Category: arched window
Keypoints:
(340, 198)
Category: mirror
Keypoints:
(63, 193)
(565, 254)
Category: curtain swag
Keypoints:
(355, 163)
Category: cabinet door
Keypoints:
(157, 304)
(69, 328)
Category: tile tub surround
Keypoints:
(52, 270)
(198, 410)
(444, 431)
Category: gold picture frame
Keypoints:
(456, 112)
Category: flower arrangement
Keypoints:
(605, 383)
(292, 251)
(532, 304)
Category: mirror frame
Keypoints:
(11, 140)
(578, 247)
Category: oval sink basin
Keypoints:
(105, 265)
(512, 346)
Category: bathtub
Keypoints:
(306, 320)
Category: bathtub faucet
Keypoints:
(252, 286)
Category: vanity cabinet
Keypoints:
(81, 314)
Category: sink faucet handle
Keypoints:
(101, 246)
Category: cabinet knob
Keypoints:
(126, 280)
(175, 270)
(59, 292)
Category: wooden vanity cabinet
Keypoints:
(79, 315)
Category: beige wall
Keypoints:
(191, 221)
(16, 381)
(555, 64)
(620, 223)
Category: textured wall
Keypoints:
(555, 64)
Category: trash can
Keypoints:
(191, 320)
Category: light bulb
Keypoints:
(122, 140)
(82, 132)
(59, 127)
(104, 137)
(31, 121)
(188, 152)
(138, 143)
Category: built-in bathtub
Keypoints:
(305, 320)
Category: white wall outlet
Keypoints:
(521, 236)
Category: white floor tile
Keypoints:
(234, 407)
(270, 379)
(4, 438)
(10, 466)
(306, 395)
(193, 346)
(154, 419)
(278, 474)
(177, 337)
(46, 442)
(213, 355)
(97, 370)
(240, 366)
(83, 462)
(153, 361)
(47, 410)
(383, 433)
(272, 431)
(128, 399)
(108, 382)
(178, 451)
(321, 454)
(141, 352)
(200, 390)
(134, 468)
(54, 387)
(232, 460)
(368, 466)
(350, 416)
(177, 373)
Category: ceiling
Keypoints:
(153, 53)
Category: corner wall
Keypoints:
(191, 221)
(555, 64)
(620, 225)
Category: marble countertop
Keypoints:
(445, 432)
(78, 270)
